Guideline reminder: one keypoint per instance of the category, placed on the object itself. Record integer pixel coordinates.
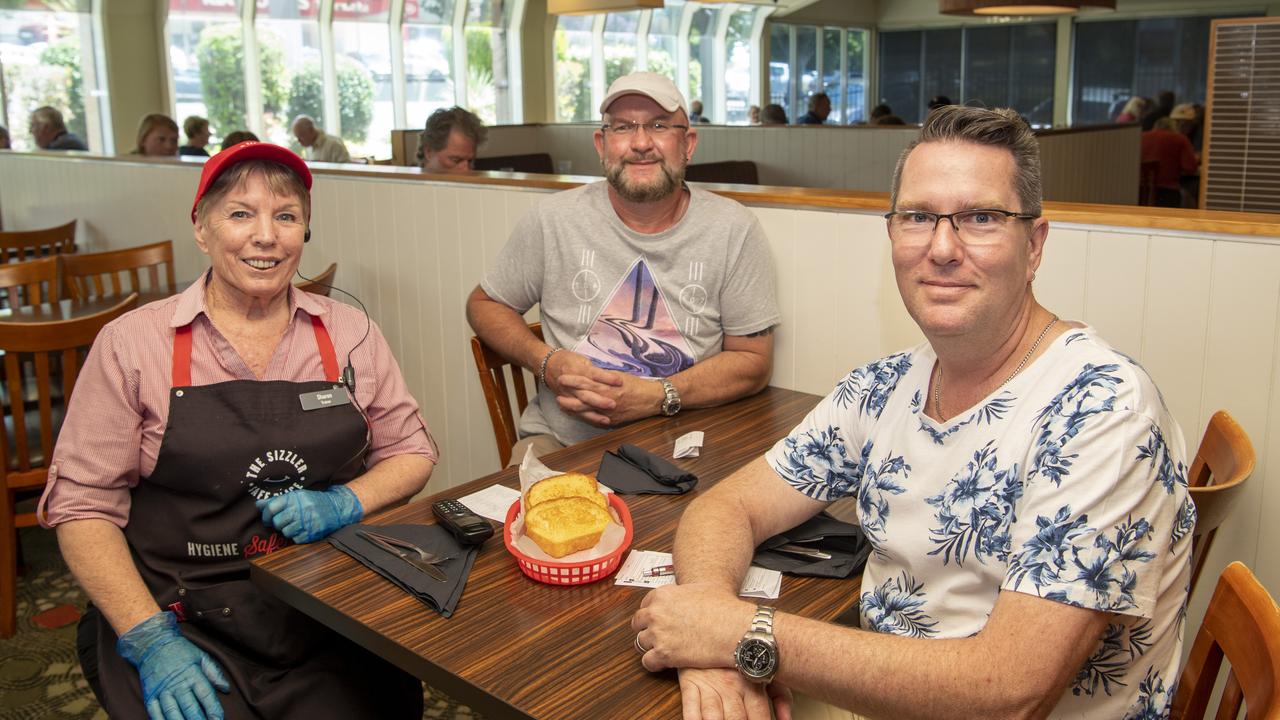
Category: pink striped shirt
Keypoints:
(118, 414)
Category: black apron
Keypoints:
(193, 527)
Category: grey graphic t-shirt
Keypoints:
(649, 305)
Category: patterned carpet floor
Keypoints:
(40, 677)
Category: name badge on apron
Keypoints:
(332, 397)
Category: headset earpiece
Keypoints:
(306, 236)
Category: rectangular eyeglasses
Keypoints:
(980, 226)
(624, 128)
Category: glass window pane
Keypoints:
(488, 70)
(361, 40)
(428, 58)
(737, 73)
(780, 65)
(941, 71)
(855, 75)
(46, 50)
(573, 68)
(1032, 54)
(206, 57)
(806, 69)
(986, 67)
(701, 70)
(830, 73)
(289, 37)
(664, 25)
(900, 72)
(620, 44)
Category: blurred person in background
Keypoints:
(450, 141)
(753, 115)
(695, 112)
(157, 136)
(1134, 110)
(236, 137)
(879, 111)
(4, 138)
(819, 110)
(1164, 105)
(50, 131)
(773, 114)
(196, 129)
(1172, 150)
(319, 146)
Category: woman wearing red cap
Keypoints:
(190, 448)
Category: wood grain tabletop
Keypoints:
(516, 648)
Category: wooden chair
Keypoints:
(29, 283)
(493, 370)
(30, 399)
(19, 245)
(320, 284)
(1223, 462)
(1242, 624)
(99, 275)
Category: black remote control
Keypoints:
(468, 527)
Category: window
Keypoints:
(428, 58)
(855, 95)
(702, 58)
(1117, 59)
(573, 68)
(737, 71)
(289, 37)
(47, 54)
(663, 44)
(805, 70)
(780, 66)
(488, 67)
(1009, 65)
(620, 44)
(361, 42)
(805, 60)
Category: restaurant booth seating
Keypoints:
(100, 275)
(1242, 625)
(34, 409)
(1222, 463)
(320, 284)
(20, 245)
(494, 374)
(532, 163)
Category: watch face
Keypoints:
(756, 658)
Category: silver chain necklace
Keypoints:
(937, 383)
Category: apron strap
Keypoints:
(328, 357)
(182, 353)
(182, 356)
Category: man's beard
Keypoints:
(660, 188)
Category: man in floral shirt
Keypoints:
(1021, 482)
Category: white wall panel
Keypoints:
(1199, 312)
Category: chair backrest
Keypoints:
(19, 245)
(531, 163)
(1242, 624)
(494, 371)
(320, 284)
(29, 283)
(28, 370)
(742, 172)
(1223, 462)
(99, 275)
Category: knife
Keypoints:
(431, 570)
(794, 549)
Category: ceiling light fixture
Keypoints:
(1021, 7)
(595, 7)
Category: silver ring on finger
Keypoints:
(640, 648)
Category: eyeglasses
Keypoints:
(981, 226)
(625, 128)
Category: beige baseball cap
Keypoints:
(1185, 111)
(657, 88)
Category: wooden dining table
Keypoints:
(68, 309)
(516, 648)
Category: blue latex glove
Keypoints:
(177, 677)
(307, 515)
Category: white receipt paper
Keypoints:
(491, 502)
(688, 445)
(759, 582)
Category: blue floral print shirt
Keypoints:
(1068, 483)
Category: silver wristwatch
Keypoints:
(756, 656)
(671, 399)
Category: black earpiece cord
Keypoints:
(349, 372)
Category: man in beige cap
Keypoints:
(654, 296)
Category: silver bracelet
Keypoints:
(542, 369)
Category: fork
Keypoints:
(427, 557)
(421, 565)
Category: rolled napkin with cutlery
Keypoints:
(388, 551)
(822, 546)
(635, 471)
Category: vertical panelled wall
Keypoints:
(1097, 165)
(1200, 312)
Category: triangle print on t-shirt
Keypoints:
(635, 331)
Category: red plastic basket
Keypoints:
(570, 573)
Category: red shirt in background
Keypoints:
(1173, 151)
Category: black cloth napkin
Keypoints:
(437, 595)
(634, 471)
(844, 541)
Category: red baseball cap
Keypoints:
(248, 150)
